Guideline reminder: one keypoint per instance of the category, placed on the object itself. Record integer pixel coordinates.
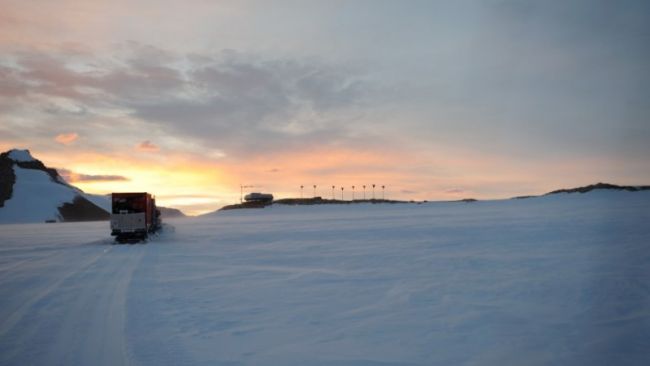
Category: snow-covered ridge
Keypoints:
(597, 190)
(20, 155)
(601, 186)
(32, 192)
(35, 198)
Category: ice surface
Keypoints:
(35, 198)
(557, 280)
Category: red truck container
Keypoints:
(134, 216)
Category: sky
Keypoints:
(435, 100)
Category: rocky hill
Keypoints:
(597, 186)
(32, 192)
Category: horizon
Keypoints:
(363, 196)
(434, 100)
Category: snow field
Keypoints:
(561, 279)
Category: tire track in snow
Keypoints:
(152, 330)
(40, 255)
(101, 340)
(116, 324)
(17, 315)
(16, 264)
(80, 319)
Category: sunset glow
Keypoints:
(436, 102)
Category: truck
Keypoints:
(134, 216)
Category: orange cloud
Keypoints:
(66, 138)
(74, 177)
(147, 146)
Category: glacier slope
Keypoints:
(35, 197)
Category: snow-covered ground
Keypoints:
(557, 280)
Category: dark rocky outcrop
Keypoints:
(7, 178)
(321, 201)
(167, 212)
(252, 204)
(38, 165)
(82, 210)
(305, 202)
(468, 200)
(592, 187)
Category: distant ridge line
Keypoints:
(592, 187)
(306, 201)
(322, 201)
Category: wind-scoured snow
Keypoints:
(35, 198)
(555, 280)
(20, 155)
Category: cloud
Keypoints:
(238, 103)
(12, 85)
(306, 102)
(455, 190)
(147, 146)
(247, 106)
(66, 138)
(72, 177)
